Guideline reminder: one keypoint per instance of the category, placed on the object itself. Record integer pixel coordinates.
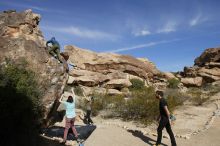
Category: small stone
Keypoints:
(165, 136)
(154, 134)
(54, 81)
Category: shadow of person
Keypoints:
(146, 139)
(83, 131)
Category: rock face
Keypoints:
(21, 38)
(107, 70)
(206, 68)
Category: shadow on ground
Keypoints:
(83, 131)
(146, 139)
(47, 142)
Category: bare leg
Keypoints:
(74, 129)
(68, 123)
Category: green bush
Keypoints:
(136, 84)
(21, 110)
(173, 83)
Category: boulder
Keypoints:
(21, 39)
(83, 80)
(209, 55)
(212, 71)
(118, 84)
(98, 78)
(207, 66)
(190, 71)
(208, 78)
(213, 64)
(113, 92)
(190, 82)
(169, 75)
(70, 80)
(106, 62)
(93, 90)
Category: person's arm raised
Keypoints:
(73, 93)
(84, 96)
(61, 98)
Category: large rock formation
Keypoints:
(205, 70)
(107, 70)
(21, 38)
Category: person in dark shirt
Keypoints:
(164, 120)
(89, 103)
(54, 50)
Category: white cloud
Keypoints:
(197, 20)
(143, 45)
(168, 27)
(27, 6)
(83, 32)
(143, 32)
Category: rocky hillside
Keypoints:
(109, 73)
(205, 70)
(21, 38)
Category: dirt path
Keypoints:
(207, 138)
(108, 135)
(190, 119)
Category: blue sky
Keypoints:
(170, 33)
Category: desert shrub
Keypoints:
(21, 110)
(136, 84)
(67, 88)
(106, 102)
(174, 98)
(78, 90)
(211, 89)
(197, 96)
(173, 83)
(142, 107)
(97, 105)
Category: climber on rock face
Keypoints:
(54, 48)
